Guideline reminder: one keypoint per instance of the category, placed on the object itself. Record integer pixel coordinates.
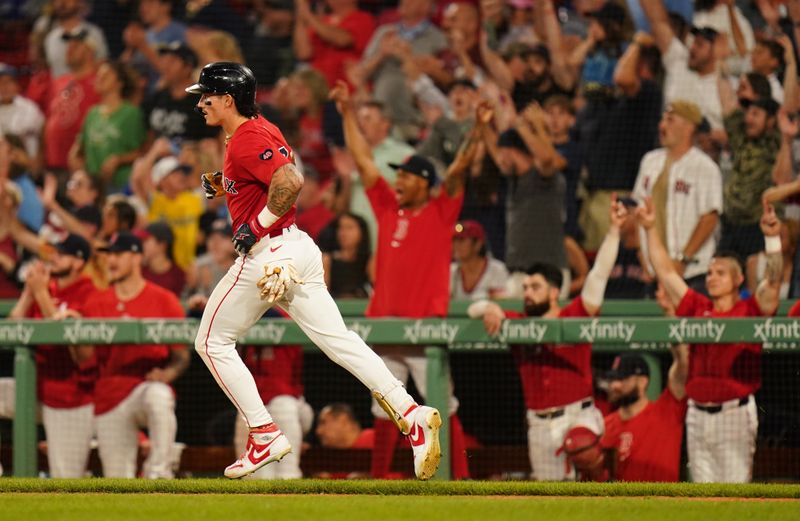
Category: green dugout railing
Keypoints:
(438, 335)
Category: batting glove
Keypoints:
(212, 184)
(277, 280)
(244, 239)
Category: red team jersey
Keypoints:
(62, 384)
(252, 155)
(721, 372)
(649, 444)
(123, 367)
(555, 375)
(277, 370)
(412, 277)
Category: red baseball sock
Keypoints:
(386, 435)
(458, 449)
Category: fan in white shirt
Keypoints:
(475, 275)
(19, 115)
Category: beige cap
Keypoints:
(687, 110)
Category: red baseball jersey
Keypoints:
(412, 277)
(252, 155)
(277, 370)
(123, 367)
(721, 372)
(61, 383)
(649, 444)
(555, 375)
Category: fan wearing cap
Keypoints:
(170, 111)
(415, 231)
(112, 131)
(557, 379)
(69, 18)
(686, 187)
(645, 435)
(691, 72)
(133, 389)
(727, 19)
(475, 274)
(18, 114)
(722, 421)
(279, 265)
(754, 140)
(57, 289)
(173, 201)
(70, 98)
(157, 264)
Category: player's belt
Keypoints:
(714, 409)
(557, 413)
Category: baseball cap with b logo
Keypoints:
(628, 364)
(122, 242)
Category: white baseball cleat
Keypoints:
(424, 438)
(263, 447)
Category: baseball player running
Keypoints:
(722, 421)
(557, 379)
(278, 265)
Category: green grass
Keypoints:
(388, 488)
(182, 507)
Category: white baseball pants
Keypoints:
(235, 305)
(68, 431)
(294, 418)
(546, 435)
(721, 445)
(150, 405)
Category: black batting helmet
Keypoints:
(229, 78)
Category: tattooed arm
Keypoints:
(768, 291)
(284, 187)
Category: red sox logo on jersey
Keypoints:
(230, 186)
(682, 187)
(400, 232)
(625, 444)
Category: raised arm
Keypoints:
(662, 263)
(736, 30)
(790, 88)
(768, 291)
(678, 371)
(532, 129)
(782, 171)
(727, 96)
(545, 11)
(657, 15)
(594, 288)
(626, 76)
(495, 65)
(353, 138)
(330, 34)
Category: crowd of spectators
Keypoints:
(567, 106)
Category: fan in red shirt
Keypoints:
(557, 379)
(133, 386)
(334, 41)
(722, 420)
(412, 261)
(65, 389)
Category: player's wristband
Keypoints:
(772, 244)
(262, 222)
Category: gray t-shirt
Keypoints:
(535, 220)
(389, 81)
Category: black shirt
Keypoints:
(616, 133)
(176, 119)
